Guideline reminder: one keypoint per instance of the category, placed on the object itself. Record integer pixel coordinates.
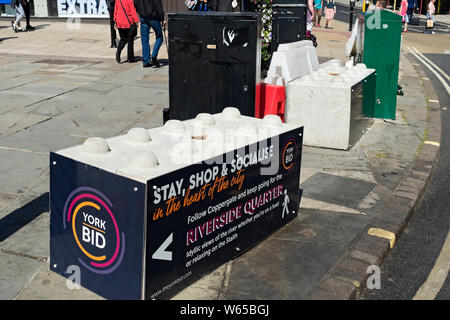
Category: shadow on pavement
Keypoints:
(41, 26)
(22, 216)
(7, 38)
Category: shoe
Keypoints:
(113, 46)
(29, 27)
(118, 56)
(155, 63)
(132, 60)
(319, 26)
(19, 29)
(147, 65)
(14, 27)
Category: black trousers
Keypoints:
(113, 30)
(26, 9)
(127, 38)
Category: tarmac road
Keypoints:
(418, 266)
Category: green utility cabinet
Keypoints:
(378, 47)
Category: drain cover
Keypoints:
(83, 40)
(62, 62)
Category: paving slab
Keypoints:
(290, 263)
(46, 283)
(336, 189)
(20, 169)
(17, 272)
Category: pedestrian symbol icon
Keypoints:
(285, 204)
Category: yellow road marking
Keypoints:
(377, 232)
(436, 279)
(432, 143)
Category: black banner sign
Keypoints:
(201, 216)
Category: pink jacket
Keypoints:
(403, 7)
(120, 18)
(431, 7)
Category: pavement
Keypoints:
(56, 92)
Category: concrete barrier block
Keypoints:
(144, 214)
(328, 103)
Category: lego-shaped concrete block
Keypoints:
(144, 214)
(328, 103)
(293, 60)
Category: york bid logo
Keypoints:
(288, 154)
(88, 214)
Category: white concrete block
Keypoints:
(143, 154)
(322, 102)
(292, 60)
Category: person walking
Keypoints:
(412, 5)
(317, 12)
(431, 8)
(310, 16)
(20, 14)
(330, 11)
(403, 11)
(27, 8)
(126, 20)
(110, 4)
(151, 15)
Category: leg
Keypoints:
(130, 48)
(319, 16)
(20, 13)
(113, 31)
(156, 26)
(27, 8)
(145, 31)
(123, 33)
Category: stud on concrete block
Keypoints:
(205, 119)
(175, 127)
(144, 159)
(272, 120)
(95, 145)
(361, 66)
(231, 113)
(138, 135)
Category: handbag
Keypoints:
(133, 26)
(430, 23)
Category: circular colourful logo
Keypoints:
(88, 216)
(288, 155)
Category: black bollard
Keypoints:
(352, 5)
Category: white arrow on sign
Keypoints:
(162, 253)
